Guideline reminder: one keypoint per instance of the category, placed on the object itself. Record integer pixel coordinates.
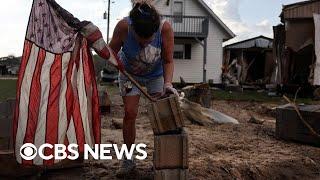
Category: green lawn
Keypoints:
(7, 89)
(255, 97)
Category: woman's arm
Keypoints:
(167, 52)
(119, 35)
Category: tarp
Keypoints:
(317, 49)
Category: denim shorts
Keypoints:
(153, 85)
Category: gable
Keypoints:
(192, 8)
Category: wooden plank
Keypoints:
(171, 151)
(171, 174)
(165, 116)
(176, 111)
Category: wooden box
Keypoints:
(171, 174)
(6, 118)
(290, 127)
(104, 101)
(171, 151)
(166, 116)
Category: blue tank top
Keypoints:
(142, 61)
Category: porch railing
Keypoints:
(189, 26)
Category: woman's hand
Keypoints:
(169, 89)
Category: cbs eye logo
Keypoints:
(28, 151)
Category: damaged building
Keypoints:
(249, 61)
(297, 45)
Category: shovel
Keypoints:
(124, 72)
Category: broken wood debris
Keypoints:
(199, 93)
(255, 120)
(204, 116)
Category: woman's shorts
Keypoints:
(154, 85)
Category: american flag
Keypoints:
(57, 98)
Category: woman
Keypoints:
(144, 44)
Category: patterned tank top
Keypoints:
(142, 61)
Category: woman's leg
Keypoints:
(131, 104)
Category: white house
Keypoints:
(199, 34)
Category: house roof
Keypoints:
(299, 4)
(224, 26)
(256, 42)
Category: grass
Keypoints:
(7, 89)
(255, 97)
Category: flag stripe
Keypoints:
(24, 61)
(69, 94)
(104, 53)
(99, 44)
(83, 101)
(88, 86)
(71, 133)
(24, 100)
(63, 119)
(89, 29)
(53, 107)
(34, 101)
(93, 97)
(94, 37)
(76, 114)
(40, 136)
(96, 120)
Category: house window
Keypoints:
(178, 11)
(182, 51)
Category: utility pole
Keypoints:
(108, 14)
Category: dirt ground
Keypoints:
(244, 151)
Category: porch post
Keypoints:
(205, 60)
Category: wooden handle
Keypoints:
(138, 86)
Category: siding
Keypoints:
(162, 7)
(192, 70)
(305, 10)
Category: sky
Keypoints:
(246, 18)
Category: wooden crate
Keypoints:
(290, 127)
(104, 102)
(171, 151)
(166, 116)
(171, 174)
(6, 118)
